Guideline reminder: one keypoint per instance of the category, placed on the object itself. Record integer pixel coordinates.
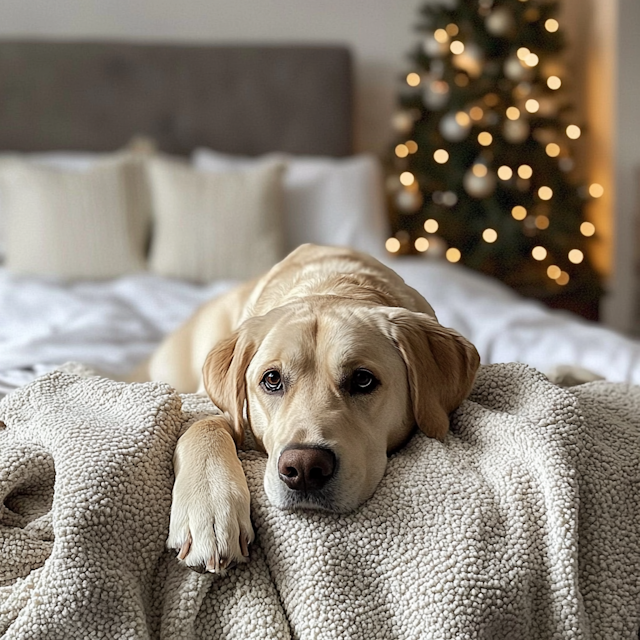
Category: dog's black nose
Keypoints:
(306, 469)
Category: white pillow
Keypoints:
(209, 226)
(87, 224)
(326, 200)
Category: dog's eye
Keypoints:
(272, 381)
(363, 381)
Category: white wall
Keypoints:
(605, 60)
(379, 33)
(622, 308)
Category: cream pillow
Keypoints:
(336, 201)
(215, 225)
(88, 224)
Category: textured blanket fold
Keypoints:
(524, 523)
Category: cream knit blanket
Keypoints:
(524, 523)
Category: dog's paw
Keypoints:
(210, 524)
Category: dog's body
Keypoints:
(331, 359)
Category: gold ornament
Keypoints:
(516, 131)
(500, 22)
(479, 186)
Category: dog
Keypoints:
(330, 360)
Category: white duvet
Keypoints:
(111, 326)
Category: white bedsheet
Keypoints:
(508, 328)
(111, 326)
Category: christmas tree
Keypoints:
(482, 169)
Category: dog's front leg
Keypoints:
(210, 523)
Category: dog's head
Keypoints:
(331, 386)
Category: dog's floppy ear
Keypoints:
(441, 367)
(224, 372)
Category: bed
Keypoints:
(241, 102)
(288, 111)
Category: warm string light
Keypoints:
(532, 105)
(453, 254)
(553, 150)
(392, 245)
(413, 79)
(479, 170)
(545, 193)
(573, 132)
(587, 229)
(421, 244)
(596, 190)
(452, 29)
(431, 225)
(485, 138)
(441, 156)
(553, 82)
(576, 256)
(518, 212)
(476, 113)
(463, 119)
(525, 171)
(456, 47)
(402, 151)
(551, 25)
(441, 36)
(542, 222)
(412, 146)
(513, 113)
(554, 271)
(407, 178)
(505, 173)
(539, 253)
(490, 235)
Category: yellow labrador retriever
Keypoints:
(331, 360)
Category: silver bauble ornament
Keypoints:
(437, 247)
(408, 201)
(548, 107)
(516, 131)
(491, 118)
(402, 121)
(544, 136)
(515, 70)
(434, 48)
(436, 69)
(470, 60)
(451, 129)
(436, 94)
(479, 186)
(566, 164)
(449, 199)
(500, 22)
(392, 183)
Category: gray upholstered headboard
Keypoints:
(249, 100)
